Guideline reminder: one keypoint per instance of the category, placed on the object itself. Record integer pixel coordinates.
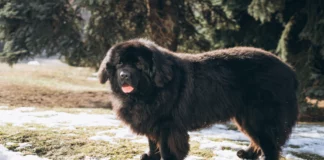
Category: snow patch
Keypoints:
(10, 143)
(194, 158)
(225, 155)
(205, 144)
(306, 138)
(5, 154)
(25, 109)
(120, 133)
(103, 138)
(23, 145)
(23, 115)
(33, 63)
(221, 131)
(32, 128)
(92, 79)
(4, 107)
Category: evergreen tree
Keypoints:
(30, 27)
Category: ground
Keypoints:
(61, 112)
(51, 86)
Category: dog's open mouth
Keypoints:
(126, 88)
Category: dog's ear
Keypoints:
(162, 68)
(103, 74)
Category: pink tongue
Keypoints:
(127, 88)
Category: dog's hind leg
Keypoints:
(265, 130)
(270, 149)
(253, 151)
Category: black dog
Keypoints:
(163, 95)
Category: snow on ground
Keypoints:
(23, 145)
(33, 63)
(5, 154)
(310, 138)
(54, 61)
(4, 107)
(20, 145)
(224, 143)
(27, 115)
(306, 138)
(120, 133)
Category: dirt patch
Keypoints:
(312, 115)
(315, 102)
(51, 86)
(17, 95)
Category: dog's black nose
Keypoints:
(124, 75)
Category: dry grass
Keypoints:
(67, 144)
(49, 76)
(50, 86)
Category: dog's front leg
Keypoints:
(164, 146)
(173, 144)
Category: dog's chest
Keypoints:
(139, 117)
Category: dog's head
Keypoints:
(136, 67)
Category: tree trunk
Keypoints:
(163, 22)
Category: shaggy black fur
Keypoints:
(175, 93)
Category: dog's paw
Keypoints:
(247, 154)
(145, 156)
(240, 153)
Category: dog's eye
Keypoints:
(139, 65)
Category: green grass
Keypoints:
(195, 150)
(54, 143)
(307, 156)
(234, 141)
(59, 144)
